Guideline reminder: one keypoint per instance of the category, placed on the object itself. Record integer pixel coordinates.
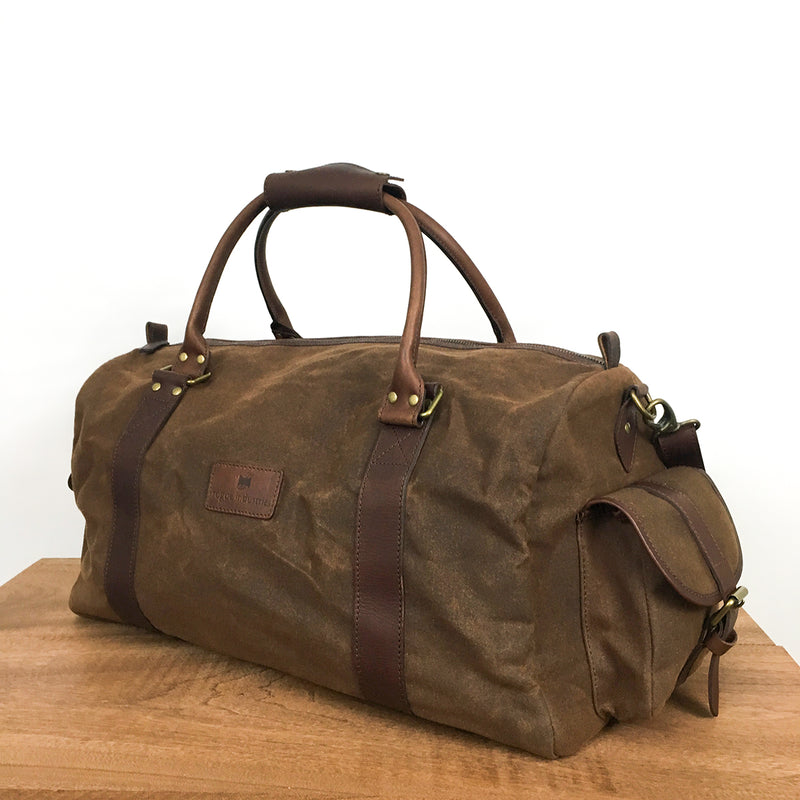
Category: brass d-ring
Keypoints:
(435, 402)
(645, 410)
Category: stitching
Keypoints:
(398, 444)
(637, 524)
(273, 499)
(715, 562)
(357, 570)
(650, 628)
(136, 482)
(134, 425)
(582, 559)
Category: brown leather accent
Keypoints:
(330, 185)
(626, 432)
(156, 332)
(717, 564)
(469, 271)
(609, 349)
(244, 490)
(406, 381)
(283, 328)
(680, 448)
(157, 336)
(378, 648)
(153, 411)
(194, 344)
(719, 642)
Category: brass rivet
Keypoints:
(156, 386)
(413, 400)
(177, 390)
(627, 427)
(392, 397)
(201, 359)
(182, 356)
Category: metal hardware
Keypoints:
(189, 381)
(413, 400)
(435, 402)
(643, 409)
(156, 386)
(736, 600)
(201, 359)
(392, 397)
(183, 356)
(177, 390)
(667, 422)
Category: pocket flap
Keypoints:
(686, 528)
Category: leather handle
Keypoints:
(282, 326)
(331, 185)
(403, 400)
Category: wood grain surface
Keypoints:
(98, 710)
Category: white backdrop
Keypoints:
(630, 166)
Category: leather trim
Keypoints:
(609, 349)
(157, 336)
(680, 448)
(717, 564)
(626, 433)
(154, 409)
(330, 185)
(378, 643)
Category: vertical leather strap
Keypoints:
(378, 645)
(153, 411)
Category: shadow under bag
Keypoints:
(508, 538)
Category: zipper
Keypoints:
(458, 344)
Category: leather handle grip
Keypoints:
(282, 325)
(331, 185)
(403, 399)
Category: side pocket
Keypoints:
(655, 558)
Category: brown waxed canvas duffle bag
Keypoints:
(511, 539)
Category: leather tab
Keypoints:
(331, 185)
(609, 349)
(157, 336)
(626, 432)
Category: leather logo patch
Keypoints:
(240, 489)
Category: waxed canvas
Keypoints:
(510, 605)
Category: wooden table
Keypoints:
(99, 710)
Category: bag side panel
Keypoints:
(581, 463)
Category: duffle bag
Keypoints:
(507, 538)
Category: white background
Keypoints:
(629, 166)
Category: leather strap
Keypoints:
(378, 644)
(282, 326)
(402, 401)
(681, 448)
(685, 506)
(331, 185)
(154, 409)
(719, 642)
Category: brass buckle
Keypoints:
(432, 407)
(667, 422)
(736, 600)
(190, 381)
